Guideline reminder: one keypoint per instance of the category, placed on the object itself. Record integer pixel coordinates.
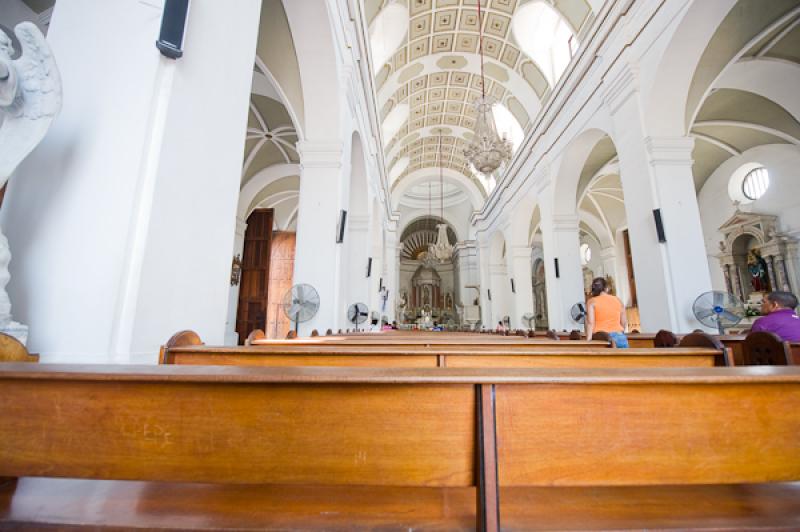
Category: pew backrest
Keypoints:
(766, 349)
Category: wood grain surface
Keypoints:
(577, 435)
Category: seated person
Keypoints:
(779, 316)
(436, 327)
(385, 326)
(500, 327)
(606, 313)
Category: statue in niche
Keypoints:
(448, 300)
(30, 99)
(426, 296)
(757, 266)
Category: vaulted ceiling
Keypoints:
(427, 87)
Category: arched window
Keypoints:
(507, 125)
(755, 183)
(586, 254)
(545, 37)
(387, 32)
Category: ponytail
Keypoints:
(599, 286)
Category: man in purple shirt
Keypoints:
(779, 316)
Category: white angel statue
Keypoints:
(30, 99)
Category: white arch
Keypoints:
(260, 181)
(774, 79)
(449, 175)
(265, 72)
(315, 47)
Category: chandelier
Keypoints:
(487, 150)
(441, 251)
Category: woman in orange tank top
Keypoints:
(606, 313)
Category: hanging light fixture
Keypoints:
(487, 150)
(441, 251)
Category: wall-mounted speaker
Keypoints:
(489, 292)
(369, 266)
(340, 226)
(558, 273)
(513, 288)
(380, 284)
(659, 225)
(173, 26)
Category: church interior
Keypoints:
(389, 236)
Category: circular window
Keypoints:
(586, 253)
(755, 183)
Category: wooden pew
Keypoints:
(360, 448)
(387, 356)
(12, 350)
(540, 354)
(731, 341)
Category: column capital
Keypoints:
(621, 87)
(357, 223)
(672, 151)
(519, 252)
(563, 223)
(320, 154)
(608, 253)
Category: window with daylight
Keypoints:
(586, 254)
(755, 183)
(387, 32)
(545, 37)
(507, 125)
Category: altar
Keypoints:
(756, 258)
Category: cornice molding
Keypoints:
(320, 154)
(670, 151)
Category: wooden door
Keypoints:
(280, 280)
(252, 312)
(629, 264)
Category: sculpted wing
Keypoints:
(37, 102)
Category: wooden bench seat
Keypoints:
(364, 448)
(554, 356)
(187, 349)
(170, 506)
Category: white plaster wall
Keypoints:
(67, 210)
(781, 199)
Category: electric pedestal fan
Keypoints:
(357, 313)
(528, 318)
(718, 309)
(578, 313)
(300, 303)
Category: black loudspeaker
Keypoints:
(369, 266)
(513, 289)
(659, 225)
(340, 226)
(558, 273)
(489, 292)
(173, 26)
(380, 284)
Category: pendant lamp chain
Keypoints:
(487, 150)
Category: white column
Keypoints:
(608, 256)
(519, 258)
(657, 174)
(357, 248)
(466, 253)
(317, 255)
(121, 222)
(391, 278)
(560, 241)
(231, 336)
(486, 285)
(500, 304)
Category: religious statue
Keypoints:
(448, 300)
(403, 299)
(30, 99)
(757, 267)
(426, 295)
